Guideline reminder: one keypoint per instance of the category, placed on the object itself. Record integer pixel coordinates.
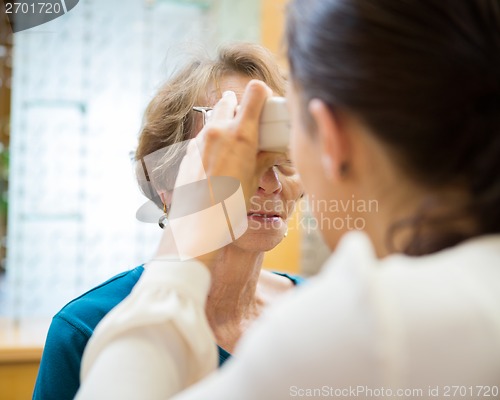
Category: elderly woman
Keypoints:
(393, 101)
(240, 290)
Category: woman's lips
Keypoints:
(264, 217)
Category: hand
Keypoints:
(229, 141)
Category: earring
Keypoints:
(163, 221)
(286, 232)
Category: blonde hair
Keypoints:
(170, 119)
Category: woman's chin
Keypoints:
(262, 235)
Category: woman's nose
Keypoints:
(269, 182)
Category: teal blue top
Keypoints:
(71, 328)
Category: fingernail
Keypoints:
(228, 93)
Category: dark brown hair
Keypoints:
(170, 119)
(424, 75)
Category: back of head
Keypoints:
(169, 118)
(424, 75)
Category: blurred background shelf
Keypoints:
(21, 345)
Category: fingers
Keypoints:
(225, 107)
(254, 98)
(227, 135)
(252, 103)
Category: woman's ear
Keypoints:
(332, 140)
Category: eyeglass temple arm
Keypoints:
(204, 111)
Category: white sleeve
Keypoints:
(154, 343)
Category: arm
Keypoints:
(325, 333)
(160, 328)
(58, 374)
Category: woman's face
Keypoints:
(339, 204)
(279, 187)
(305, 152)
(303, 149)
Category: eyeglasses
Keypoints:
(204, 111)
